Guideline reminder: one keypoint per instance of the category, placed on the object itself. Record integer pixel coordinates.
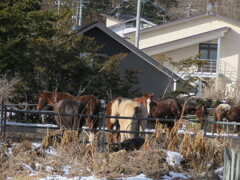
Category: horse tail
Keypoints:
(114, 110)
(140, 125)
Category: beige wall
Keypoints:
(111, 22)
(229, 51)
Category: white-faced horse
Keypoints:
(144, 100)
(129, 108)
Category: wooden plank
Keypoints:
(238, 166)
(227, 165)
(231, 164)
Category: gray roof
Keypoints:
(131, 47)
(189, 19)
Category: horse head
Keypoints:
(145, 100)
(201, 112)
(41, 101)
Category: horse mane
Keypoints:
(48, 93)
(169, 98)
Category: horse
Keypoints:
(192, 108)
(92, 105)
(145, 100)
(169, 108)
(228, 112)
(129, 108)
(69, 106)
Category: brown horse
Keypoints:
(69, 106)
(92, 104)
(192, 108)
(168, 108)
(145, 100)
(228, 112)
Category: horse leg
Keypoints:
(143, 125)
(90, 123)
(109, 127)
(123, 127)
(117, 134)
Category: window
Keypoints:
(208, 51)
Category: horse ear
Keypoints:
(40, 93)
(152, 94)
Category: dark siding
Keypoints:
(111, 46)
(151, 79)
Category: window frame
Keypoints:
(208, 48)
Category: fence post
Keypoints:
(2, 103)
(231, 164)
(5, 120)
(205, 126)
(103, 132)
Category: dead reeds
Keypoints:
(200, 154)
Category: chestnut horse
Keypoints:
(228, 112)
(168, 108)
(92, 105)
(69, 106)
(145, 100)
(129, 108)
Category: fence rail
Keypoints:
(4, 111)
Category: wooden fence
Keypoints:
(231, 164)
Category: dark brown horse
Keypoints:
(69, 106)
(92, 104)
(193, 108)
(168, 108)
(145, 100)
(228, 112)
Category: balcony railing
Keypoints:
(209, 68)
(228, 70)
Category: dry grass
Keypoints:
(200, 154)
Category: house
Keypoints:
(215, 37)
(122, 25)
(153, 77)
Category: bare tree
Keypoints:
(7, 86)
(185, 67)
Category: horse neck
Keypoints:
(51, 98)
(140, 100)
(54, 97)
(190, 108)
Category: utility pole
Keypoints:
(189, 13)
(138, 24)
(189, 10)
(58, 2)
(79, 12)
